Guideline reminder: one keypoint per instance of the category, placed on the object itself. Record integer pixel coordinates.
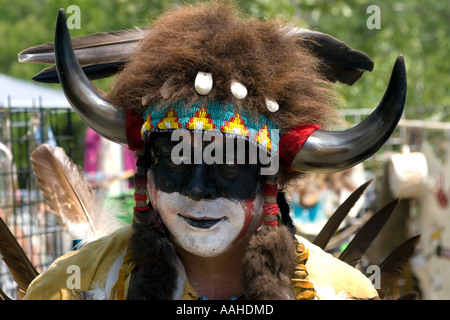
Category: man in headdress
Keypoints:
(205, 93)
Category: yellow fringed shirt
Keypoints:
(103, 268)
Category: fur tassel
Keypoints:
(269, 264)
(156, 274)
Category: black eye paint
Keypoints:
(202, 181)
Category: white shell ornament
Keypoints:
(238, 90)
(203, 83)
(272, 105)
(165, 89)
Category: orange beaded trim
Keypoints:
(303, 288)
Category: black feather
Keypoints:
(362, 240)
(340, 62)
(393, 265)
(413, 295)
(94, 72)
(338, 216)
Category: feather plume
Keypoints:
(413, 295)
(338, 216)
(339, 61)
(119, 43)
(71, 197)
(15, 258)
(362, 240)
(93, 72)
(100, 55)
(112, 49)
(393, 265)
(3, 296)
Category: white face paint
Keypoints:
(206, 228)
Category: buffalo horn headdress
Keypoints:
(322, 151)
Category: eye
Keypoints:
(229, 171)
(176, 163)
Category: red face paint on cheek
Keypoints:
(249, 209)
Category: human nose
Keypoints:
(200, 184)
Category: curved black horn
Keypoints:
(332, 151)
(98, 113)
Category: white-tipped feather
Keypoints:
(71, 198)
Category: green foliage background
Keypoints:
(417, 29)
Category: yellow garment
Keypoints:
(332, 276)
(96, 259)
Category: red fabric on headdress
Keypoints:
(134, 123)
(292, 141)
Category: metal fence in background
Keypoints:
(22, 205)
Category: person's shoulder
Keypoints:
(79, 269)
(333, 278)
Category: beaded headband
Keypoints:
(224, 118)
(212, 117)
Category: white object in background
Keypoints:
(408, 172)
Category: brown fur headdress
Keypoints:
(215, 38)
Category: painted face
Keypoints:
(206, 208)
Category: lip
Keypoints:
(202, 223)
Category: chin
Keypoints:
(207, 228)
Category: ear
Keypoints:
(340, 62)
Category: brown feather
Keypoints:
(101, 55)
(413, 295)
(338, 216)
(3, 296)
(15, 258)
(339, 62)
(121, 44)
(393, 265)
(70, 196)
(362, 240)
